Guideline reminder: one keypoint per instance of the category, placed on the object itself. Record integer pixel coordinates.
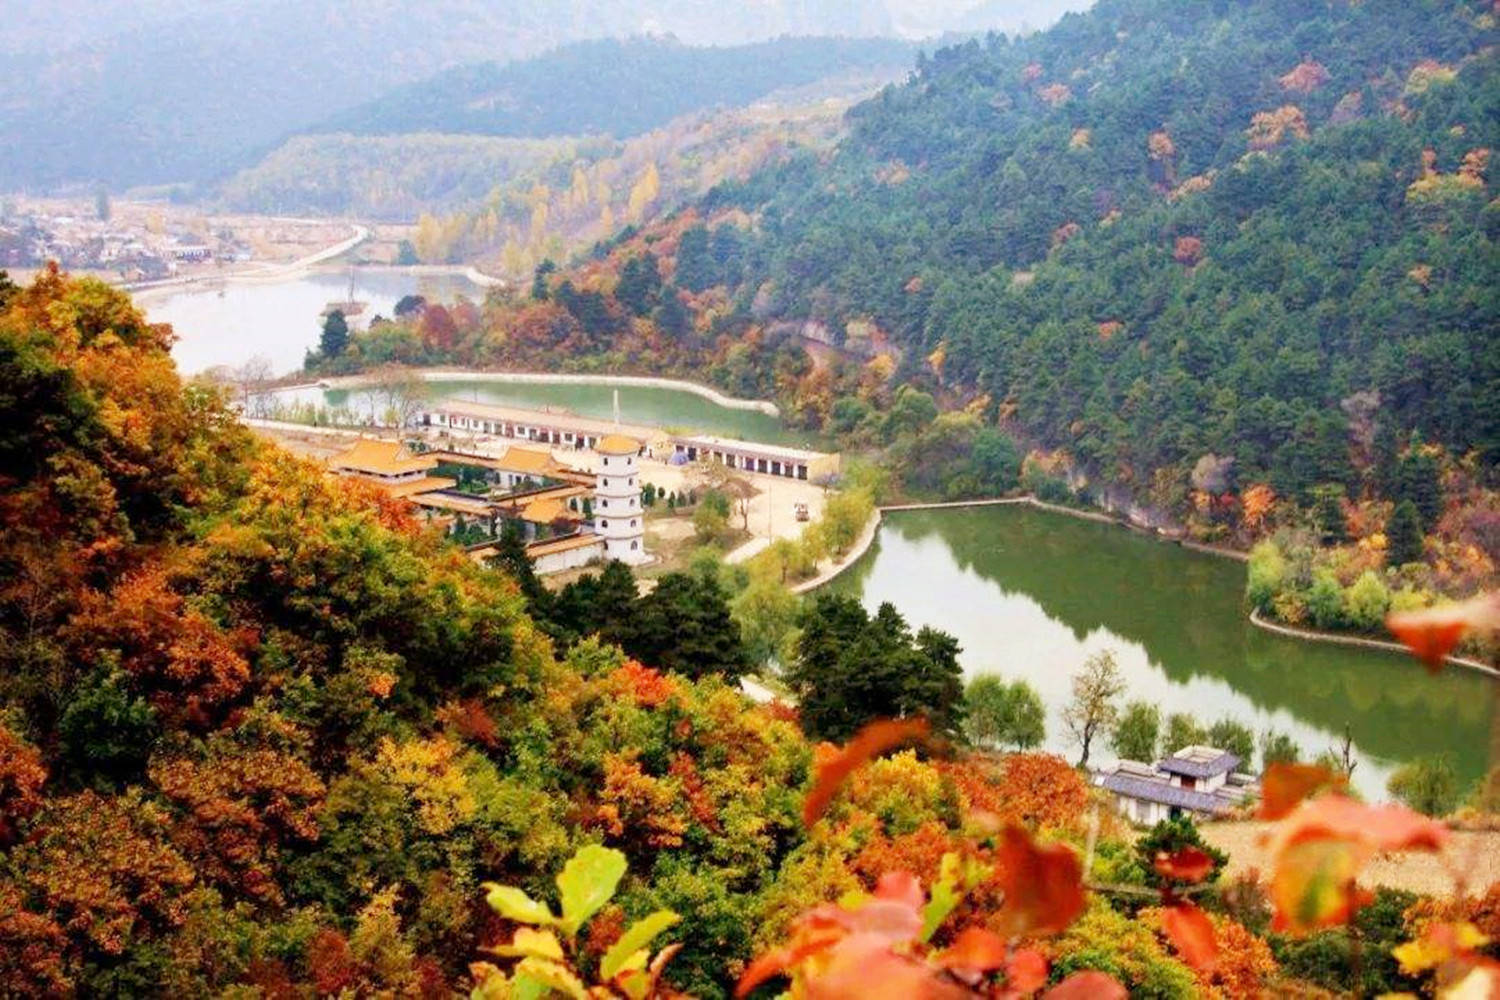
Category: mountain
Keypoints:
(130, 93)
(1161, 231)
(1198, 246)
(612, 87)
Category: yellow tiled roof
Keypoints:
(381, 458)
(526, 460)
(544, 511)
(427, 484)
(617, 444)
(563, 544)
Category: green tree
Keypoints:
(1278, 748)
(685, 626)
(767, 614)
(335, 336)
(996, 461)
(1328, 514)
(1093, 710)
(1419, 480)
(1137, 732)
(985, 701)
(1168, 837)
(1403, 535)
(406, 254)
(1427, 784)
(1366, 602)
(1237, 738)
(540, 289)
(1025, 716)
(1182, 731)
(106, 733)
(639, 288)
(851, 668)
(511, 558)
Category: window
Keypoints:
(634, 546)
(604, 503)
(606, 460)
(632, 522)
(606, 482)
(603, 524)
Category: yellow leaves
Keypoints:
(527, 942)
(1438, 944)
(1081, 139)
(429, 771)
(1055, 95)
(630, 948)
(1427, 74)
(1159, 146)
(513, 904)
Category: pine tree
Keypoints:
(1403, 535)
(335, 334)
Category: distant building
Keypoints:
(618, 516)
(1202, 781)
(568, 430)
(389, 464)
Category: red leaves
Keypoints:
(1191, 933)
(1187, 865)
(1087, 986)
(1432, 633)
(1043, 886)
(1285, 785)
(1320, 848)
(870, 742)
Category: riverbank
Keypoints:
(856, 552)
(264, 274)
(563, 378)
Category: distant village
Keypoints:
(90, 239)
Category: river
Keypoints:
(231, 323)
(1029, 594)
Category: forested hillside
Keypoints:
(264, 734)
(1159, 231)
(612, 87)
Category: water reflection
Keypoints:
(1031, 594)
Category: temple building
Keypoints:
(1202, 781)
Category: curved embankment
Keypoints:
(264, 275)
(550, 378)
(1355, 640)
(1308, 635)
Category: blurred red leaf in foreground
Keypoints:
(1187, 865)
(1285, 785)
(870, 742)
(1192, 934)
(1043, 885)
(1431, 633)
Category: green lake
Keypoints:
(658, 407)
(1029, 594)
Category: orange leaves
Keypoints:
(1043, 886)
(870, 742)
(21, 778)
(1055, 94)
(975, 949)
(1285, 785)
(1432, 633)
(1192, 934)
(1269, 129)
(1255, 503)
(1304, 78)
(642, 685)
(1188, 250)
(1319, 849)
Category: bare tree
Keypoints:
(398, 394)
(250, 381)
(1096, 689)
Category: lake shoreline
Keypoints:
(563, 378)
